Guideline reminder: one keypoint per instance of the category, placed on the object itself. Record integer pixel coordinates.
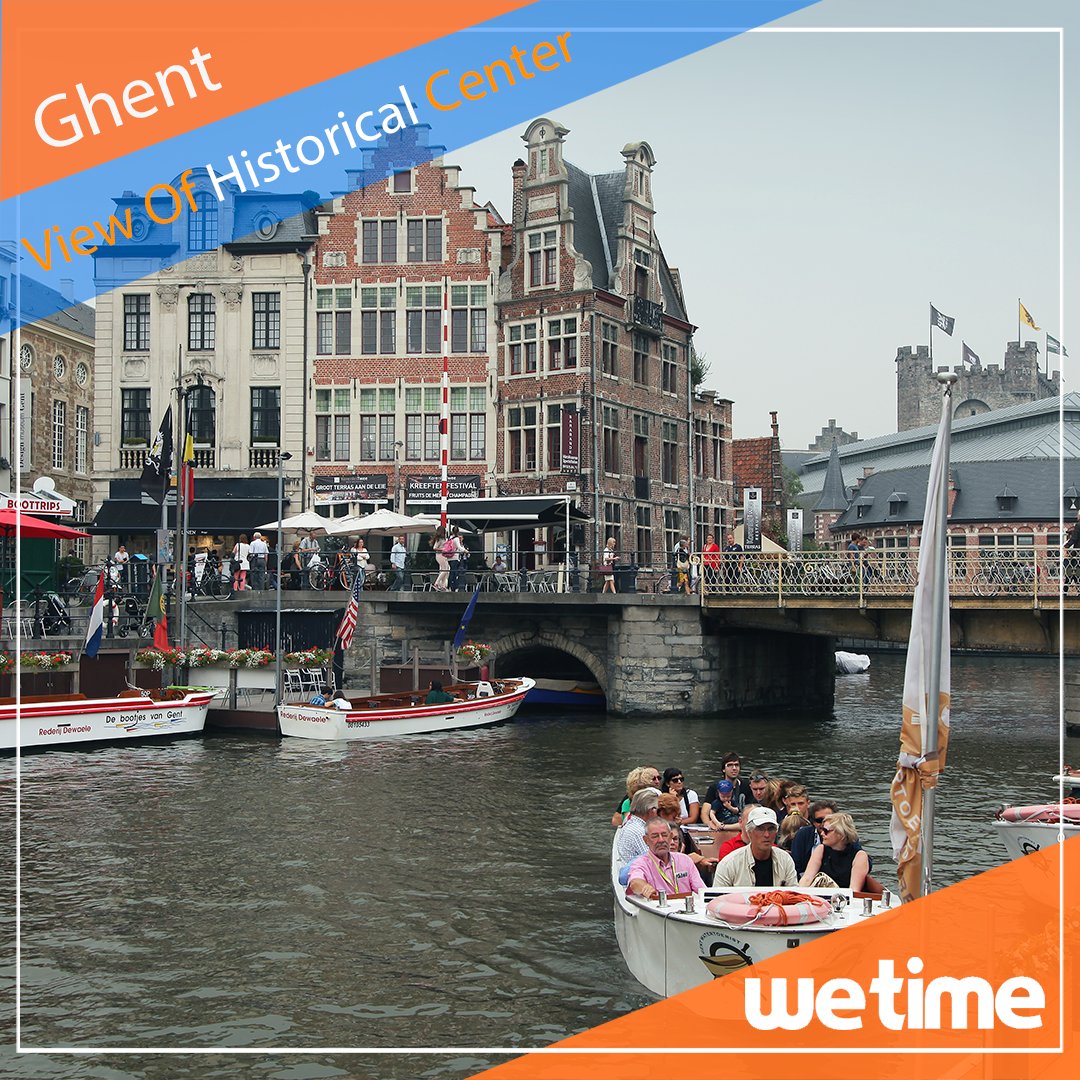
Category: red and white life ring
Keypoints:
(776, 908)
(1046, 813)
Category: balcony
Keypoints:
(645, 315)
(263, 457)
(204, 457)
(641, 487)
(133, 457)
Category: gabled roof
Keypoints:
(597, 202)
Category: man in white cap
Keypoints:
(760, 862)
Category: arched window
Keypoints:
(203, 223)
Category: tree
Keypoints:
(699, 368)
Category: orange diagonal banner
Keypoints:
(228, 58)
(885, 998)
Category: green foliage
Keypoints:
(699, 368)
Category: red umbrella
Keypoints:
(36, 528)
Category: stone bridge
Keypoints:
(656, 654)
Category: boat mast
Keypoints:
(939, 599)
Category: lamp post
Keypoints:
(397, 476)
(282, 458)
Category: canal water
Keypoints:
(445, 891)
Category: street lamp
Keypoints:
(282, 458)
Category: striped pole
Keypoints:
(444, 419)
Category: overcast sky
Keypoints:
(818, 190)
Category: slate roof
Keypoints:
(1034, 482)
(603, 193)
(47, 307)
(1028, 431)
(833, 491)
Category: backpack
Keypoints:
(449, 547)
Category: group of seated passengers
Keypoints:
(793, 840)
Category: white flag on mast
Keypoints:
(914, 772)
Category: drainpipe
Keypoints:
(306, 267)
(597, 526)
(690, 443)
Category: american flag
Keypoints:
(348, 622)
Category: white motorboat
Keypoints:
(386, 715)
(669, 949)
(1024, 829)
(850, 663)
(58, 719)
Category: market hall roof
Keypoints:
(1028, 431)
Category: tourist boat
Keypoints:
(385, 715)
(61, 719)
(669, 950)
(566, 693)
(1024, 829)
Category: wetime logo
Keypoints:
(901, 1003)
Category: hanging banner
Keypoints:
(571, 440)
(424, 489)
(331, 490)
(794, 530)
(751, 519)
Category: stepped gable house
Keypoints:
(385, 249)
(226, 322)
(594, 355)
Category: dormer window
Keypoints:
(897, 500)
(543, 263)
(863, 506)
(1072, 499)
(203, 223)
(1006, 500)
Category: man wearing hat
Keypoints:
(257, 553)
(761, 862)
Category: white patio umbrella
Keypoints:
(307, 520)
(383, 522)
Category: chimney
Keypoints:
(775, 425)
(517, 209)
(67, 288)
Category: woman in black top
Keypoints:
(839, 855)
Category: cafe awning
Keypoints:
(511, 512)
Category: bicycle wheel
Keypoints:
(983, 584)
(317, 577)
(663, 583)
(214, 587)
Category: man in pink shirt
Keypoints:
(662, 870)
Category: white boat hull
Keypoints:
(57, 723)
(669, 950)
(317, 722)
(1023, 837)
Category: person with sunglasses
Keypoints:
(839, 859)
(690, 807)
(808, 837)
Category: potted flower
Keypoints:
(44, 661)
(200, 657)
(7, 665)
(156, 659)
(309, 658)
(474, 653)
(248, 658)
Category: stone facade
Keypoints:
(830, 434)
(980, 389)
(53, 418)
(225, 324)
(757, 464)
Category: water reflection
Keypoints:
(430, 890)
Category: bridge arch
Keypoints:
(520, 642)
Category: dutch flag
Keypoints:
(95, 627)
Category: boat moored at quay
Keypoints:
(43, 720)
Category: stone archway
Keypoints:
(510, 643)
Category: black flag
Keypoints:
(155, 475)
(942, 322)
(969, 355)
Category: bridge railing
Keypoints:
(876, 573)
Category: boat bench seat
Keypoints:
(29, 699)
